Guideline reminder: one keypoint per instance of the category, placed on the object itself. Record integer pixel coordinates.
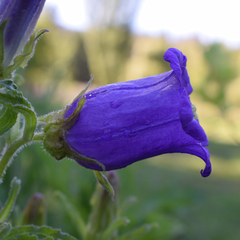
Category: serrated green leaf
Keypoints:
(114, 226)
(43, 231)
(26, 236)
(14, 190)
(12, 235)
(5, 229)
(8, 118)
(9, 95)
(104, 182)
(47, 238)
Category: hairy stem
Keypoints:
(27, 136)
(38, 136)
(8, 153)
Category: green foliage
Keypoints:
(104, 182)
(220, 74)
(21, 60)
(14, 190)
(74, 214)
(2, 27)
(8, 118)
(35, 232)
(5, 229)
(12, 102)
(184, 206)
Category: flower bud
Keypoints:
(35, 212)
(22, 16)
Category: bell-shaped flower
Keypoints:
(122, 123)
(22, 16)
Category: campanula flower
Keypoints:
(122, 123)
(22, 16)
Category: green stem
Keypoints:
(38, 136)
(28, 133)
(8, 154)
(41, 118)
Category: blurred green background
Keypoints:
(169, 189)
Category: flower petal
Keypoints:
(123, 123)
(202, 152)
(178, 63)
(189, 124)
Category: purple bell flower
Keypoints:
(23, 16)
(122, 123)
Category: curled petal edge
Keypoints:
(201, 152)
(178, 62)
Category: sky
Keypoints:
(208, 20)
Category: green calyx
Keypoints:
(56, 128)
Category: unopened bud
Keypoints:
(35, 211)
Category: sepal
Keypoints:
(103, 180)
(2, 27)
(55, 129)
(22, 59)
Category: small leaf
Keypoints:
(104, 182)
(9, 95)
(12, 98)
(43, 231)
(8, 118)
(5, 229)
(73, 213)
(14, 190)
(13, 103)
